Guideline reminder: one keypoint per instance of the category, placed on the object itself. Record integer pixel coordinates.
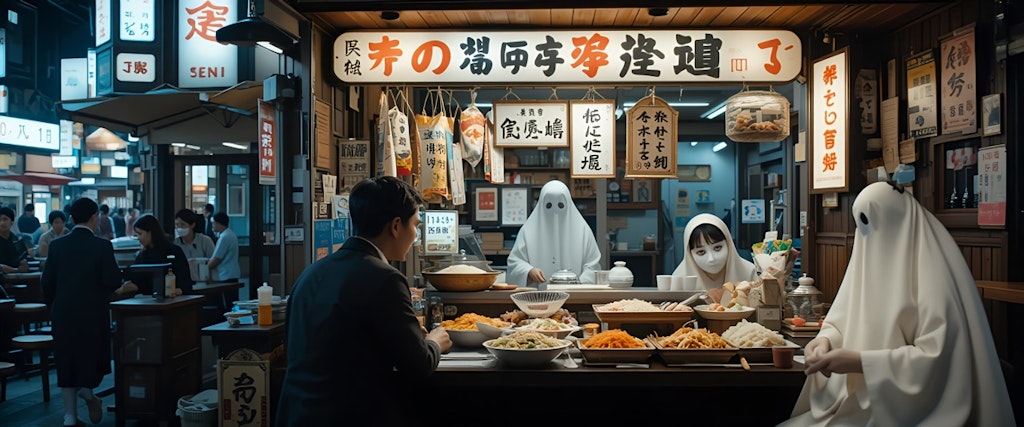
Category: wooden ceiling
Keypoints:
(845, 18)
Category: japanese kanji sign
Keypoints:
(103, 20)
(959, 88)
(29, 133)
(353, 162)
(268, 143)
(531, 123)
(992, 186)
(652, 139)
(243, 384)
(592, 138)
(440, 232)
(921, 102)
(579, 56)
(136, 67)
(830, 82)
(202, 61)
(137, 20)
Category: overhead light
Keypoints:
(713, 113)
(233, 145)
(251, 30)
(628, 105)
(193, 147)
(133, 138)
(270, 47)
(178, 144)
(693, 143)
(719, 147)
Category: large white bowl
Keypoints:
(706, 313)
(524, 358)
(491, 331)
(467, 338)
(539, 303)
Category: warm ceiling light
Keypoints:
(389, 15)
(657, 11)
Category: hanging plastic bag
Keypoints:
(494, 157)
(399, 123)
(385, 141)
(472, 125)
(431, 131)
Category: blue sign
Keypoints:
(752, 211)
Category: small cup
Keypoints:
(677, 283)
(601, 277)
(782, 357)
(690, 282)
(665, 282)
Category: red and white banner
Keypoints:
(268, 143)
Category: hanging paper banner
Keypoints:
(992, 186)
(268, 145)
(651, 139)
(829, 159)
(592, 136)
(531, 123)
(959, 83)
(921, 102)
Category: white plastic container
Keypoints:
(169, 280)
(265, 296)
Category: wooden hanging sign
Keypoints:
(651, 139)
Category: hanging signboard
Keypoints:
(135, 67)
(531, 123)
(138, 20)
(203, 62)
(74, 76)
(959, 83)
(29, 133)
(992, 186)
(580, 56)
(829, 159)
(651, 139)
(921, 102)
(243, 381)
(592, 138)
(440, 232)
(103, 21)
(268, 145)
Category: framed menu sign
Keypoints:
(592, 136)
(531, 123)
(440, 232)
(515, 205)
(485, 205)
(651, 139)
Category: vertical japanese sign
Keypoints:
(651, 139)
(592, 139)
(829, 160)
(440, 232)
(959, 83)
(268, 143)
(103, 20)
(353, 163)
(138, 20)
(202, 61)
(531, 124)
(921, 102)
(243, 384)
(992, 186)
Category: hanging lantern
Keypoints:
(757, 116)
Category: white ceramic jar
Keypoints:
(620, 276)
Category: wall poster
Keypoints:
(992, 186)
(921, 101)
(515, 205)
(592, 137)
(830, 103)
(959, 83)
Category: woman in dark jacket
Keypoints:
(156, 247)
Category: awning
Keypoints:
(39, 178)
(144, 113)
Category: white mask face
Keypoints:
(710, 257)
(181, 232)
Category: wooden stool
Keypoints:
(44, 345)
(30, 312)
(6, 369)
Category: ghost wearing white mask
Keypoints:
(711, 255)
(906, 341)
(554, 237)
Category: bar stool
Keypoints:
(6, 369)
(44, 345)
(28, 313)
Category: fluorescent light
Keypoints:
(133, 138)
(714, 112)
(719, 147)
(270, 47)
(233, 145)
(693, 143)
(627, 105)
(480, 105)
(178, 144)
(193, 147)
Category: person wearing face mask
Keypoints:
(554, 237)
(192, 242)
(711, 256)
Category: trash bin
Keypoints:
(198, 410)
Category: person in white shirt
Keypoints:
(192, 242)
(224, 263)
(906, 341)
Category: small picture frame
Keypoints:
(486, 206)
(991, 114)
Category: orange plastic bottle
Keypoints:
(264, 314)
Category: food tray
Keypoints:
(762, 354)
(677, 356)
(642, 316)
(616, 355)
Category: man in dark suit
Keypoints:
(79, 277)
(354, 344)
(208, 222)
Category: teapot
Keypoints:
(564, 277)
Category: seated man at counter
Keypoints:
(12, 248)
(906, 341)
(554, 237)
(354, 343)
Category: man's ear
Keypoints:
(395, 226)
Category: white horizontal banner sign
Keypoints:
(582, 56)
(29, 133)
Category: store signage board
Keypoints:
(579, 57)
(136, 67)
(243, 381)
(67, 129)
(90, 58)
(830, 83)
(202, 61)
(959, 83)
(353, 162)
(74, 75)
(440, 232)
(64, 162)
(992, 186)
(138, 20)
(651, 139)
(592, 138)
(268, 145)
(921, 101)
(103, 21)
(531, 124)
(29, 133)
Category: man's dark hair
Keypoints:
(30, 208)
(55, 215)
(83, 209)
(120, 211)
(221, 218)
(208, 208)
(104, 209)
(377, 201)
(8, 212)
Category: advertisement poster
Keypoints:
(921, 102)
(752, 211)
(992, 186)
(830, 103)
(340, 232)
(959, 87)
(322, 238)
(441, 232)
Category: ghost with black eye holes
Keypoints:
(554, 237)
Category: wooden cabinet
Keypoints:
(157, 356)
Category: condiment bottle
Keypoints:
(264, 314)
(169, 281)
